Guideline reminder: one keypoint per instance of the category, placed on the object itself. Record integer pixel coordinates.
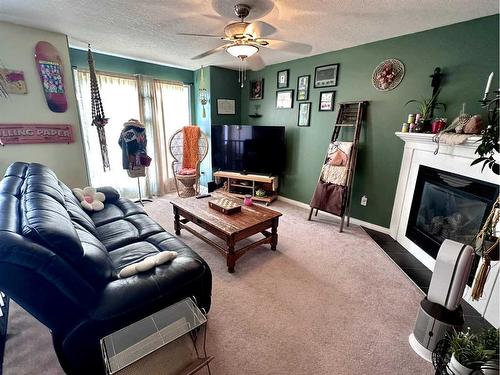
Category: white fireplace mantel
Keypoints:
(419, 150)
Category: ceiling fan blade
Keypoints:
(210, 52)
(204, 35)
(255, 62)
(259, 29)
(283, 45)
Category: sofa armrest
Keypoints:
(111, 194)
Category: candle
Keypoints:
(490, 78)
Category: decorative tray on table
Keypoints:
(225, 205)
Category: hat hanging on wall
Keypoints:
(388, 75)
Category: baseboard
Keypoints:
(353, 220)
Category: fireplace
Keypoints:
(442, 195)
(447, 206)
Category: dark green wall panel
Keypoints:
(467, 52)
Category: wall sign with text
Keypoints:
(35, 133)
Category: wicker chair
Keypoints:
(190, 184)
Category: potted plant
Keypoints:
(490, 339)
(470, 351)
(489, 147)
(425, 108)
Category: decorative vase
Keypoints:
(248, 200)
(427, 126)
(456, 368)
(419, 127)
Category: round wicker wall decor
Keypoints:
(388, 75)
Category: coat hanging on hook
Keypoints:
(99, 120)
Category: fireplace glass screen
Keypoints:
(446, 215)
(447, 206)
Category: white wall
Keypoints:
(17, 45)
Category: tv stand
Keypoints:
(239, 185)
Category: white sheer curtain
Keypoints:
(162, 106)
(120, 100)
(172, 112)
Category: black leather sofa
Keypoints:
(60, 263)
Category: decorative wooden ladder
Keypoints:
(351, 115)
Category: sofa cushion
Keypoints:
(125, 231)
(46, 221)
(9, 208)
(17, 169)
(112, 211)
(96, 264)
(11, 185)
(133, 253)
(117, 233)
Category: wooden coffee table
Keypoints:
(229, 228)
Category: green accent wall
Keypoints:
(224, 85)
(466, 52)
(220, 83)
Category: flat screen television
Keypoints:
(248, 149)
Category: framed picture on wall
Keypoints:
(304, 114)
(226, 106)
(303, 87)
(326, 75)
(282, 79)
(257, 89)
(326, 100)
(284, 99)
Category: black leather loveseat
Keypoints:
(61, 264)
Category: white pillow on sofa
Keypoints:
(147, 264)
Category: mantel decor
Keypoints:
(388, 75)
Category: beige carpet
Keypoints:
(323, 303)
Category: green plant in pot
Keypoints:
(470, 352)
(425, 107)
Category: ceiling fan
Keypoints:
(244, 39)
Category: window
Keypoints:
(163, 107)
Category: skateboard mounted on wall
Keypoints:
(51, 72)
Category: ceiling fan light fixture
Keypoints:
(242, 50)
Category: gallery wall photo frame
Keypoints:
(304, 118)
(226, 106)
(326, 101)
(257, 89)
(303, 87)
(284, 99)
(282, 79)
(326, 75)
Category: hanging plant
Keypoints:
(99, 120)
